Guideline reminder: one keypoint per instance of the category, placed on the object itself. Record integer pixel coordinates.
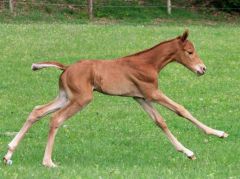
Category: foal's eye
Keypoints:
(190, 53)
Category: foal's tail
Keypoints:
(40, 65)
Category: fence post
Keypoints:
(169, 7)
(90, 9)
(1, 5)
(12, 4)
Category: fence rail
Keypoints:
(91, 5)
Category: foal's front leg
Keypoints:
(162, 99)
(153, 113)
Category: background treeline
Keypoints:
(136, 10)
(226, 5)
(223, 5)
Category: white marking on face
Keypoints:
(200, 68)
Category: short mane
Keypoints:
(149, 49)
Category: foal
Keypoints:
(133, 76)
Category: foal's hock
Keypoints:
(133, 76)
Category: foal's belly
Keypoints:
(115, 86)
(114, 81)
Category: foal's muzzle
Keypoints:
(200, 69)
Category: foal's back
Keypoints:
(114, 77)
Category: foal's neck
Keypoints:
(158, 56)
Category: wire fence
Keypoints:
(20, 7)
(104, 5)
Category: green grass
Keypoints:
(113, 137)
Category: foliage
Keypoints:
(227, 5)
(118, 9)
(114, 12)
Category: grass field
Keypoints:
(113, 137)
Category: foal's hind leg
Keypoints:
(37, 113)
(58, 118)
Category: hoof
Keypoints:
(34, 67)
(192, 157)
(49, 164)
(189, 154)
(224, 135)
(7, 162)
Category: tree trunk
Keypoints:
(169, 7)
(90, 9)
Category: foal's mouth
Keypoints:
(200, 73)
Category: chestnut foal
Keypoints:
(132, 76)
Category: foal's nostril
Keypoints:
(204, 69)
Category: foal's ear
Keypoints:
(184, 35)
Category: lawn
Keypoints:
(113, 137)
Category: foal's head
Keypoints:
(188, 56)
